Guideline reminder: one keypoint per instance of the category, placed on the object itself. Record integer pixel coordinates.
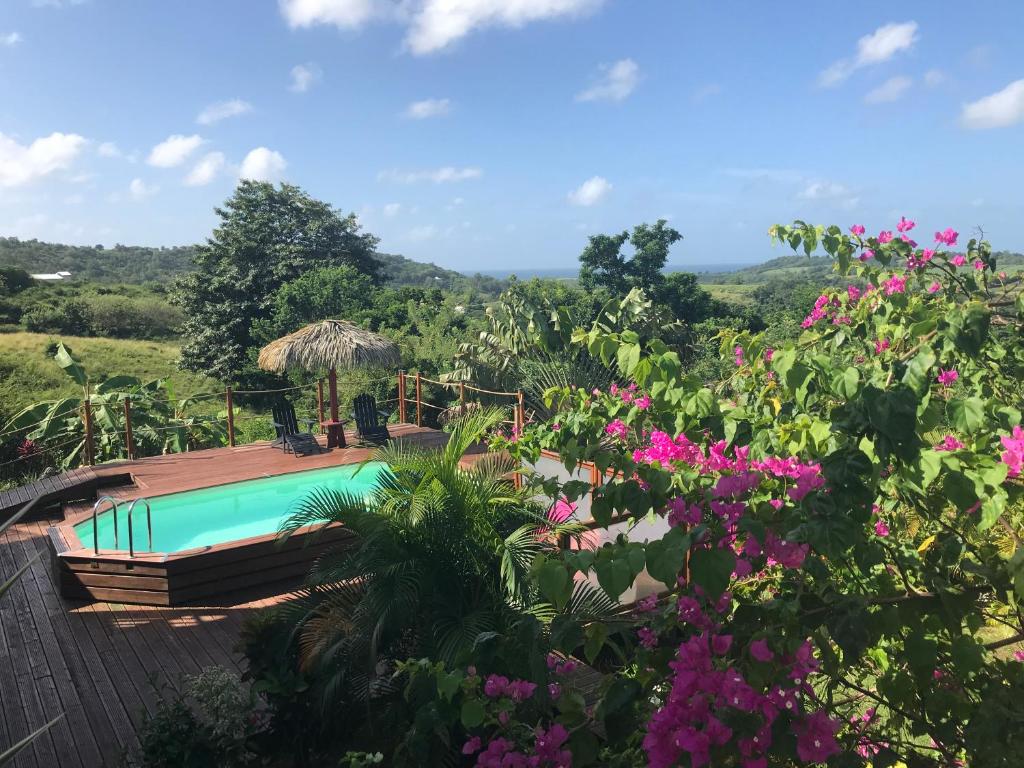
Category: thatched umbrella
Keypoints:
(329, 344)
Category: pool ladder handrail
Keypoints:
(149, 526)
(95, 524)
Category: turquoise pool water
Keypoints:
(225, 512)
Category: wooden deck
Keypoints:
(74, 485)
(92, 661)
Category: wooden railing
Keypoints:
(518, 420)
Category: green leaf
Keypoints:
(712, 569)
(596, 634)
(70, 365)
(666, 556)
(472, 713)
(966, 415)
(918, 374)
(448, 684)
(553, 580)
(614, 576)
(845, 382)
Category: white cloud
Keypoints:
(304, 76)
(347, 14)
(23, 163)
(205, 170)
(442, 175)
(263, 164)
(830, 191)
(934, 77)
(998, 110)
(174, 150)
(422, 233)
(431, 24)
(420, 110)
(222, 110)
(139, 190)
(439, 23)
(891, 90)
(591, 191)
(11, 38)
(616, 82)
(392, 209)
(881, 45)
(108, 149)
(706, 91)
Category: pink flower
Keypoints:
(816, 738)
(720, 644)
(958, 260)
(881, 529)
(949, 443)
(643, 402)
(853, 292)
(521, 690)
(926, 254)
(1018, 655)
(1013, 456)
(904, 224)
(647, 637)
(881, 345)
(647, 604)
(979, 264)
(857, 229)
(884, 236)
(617, 429)
(759, 650)
(934, 288)
(555, 427)
(946, 378)
(554, 690)
(472, 746)
(738, 351)
(769, 353)
(895, 284)
(866, 254)
(495, 686)
(947, 236)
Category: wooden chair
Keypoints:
(288, 435)
(371, 423)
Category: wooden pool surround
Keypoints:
(204, 575)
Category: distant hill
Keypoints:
(140, 264)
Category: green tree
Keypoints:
(603, 265)
(267, 236)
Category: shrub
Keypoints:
(121, 317)
(71, 317)
(212, 722)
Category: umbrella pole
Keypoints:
(332, 382)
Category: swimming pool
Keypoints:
(224, 513)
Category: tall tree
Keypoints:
(603, 264)
(267, 237)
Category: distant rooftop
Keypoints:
(51, 276)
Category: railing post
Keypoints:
(231, 415)
(462, 398)
(320, 401)
(128, 442)
(90, 457)
(401, 397)
(520, 412)
(419, 400)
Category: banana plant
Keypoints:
(160, 422)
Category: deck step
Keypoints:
(74, 485)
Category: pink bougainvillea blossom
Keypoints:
(760, 651)
(949, 443)
(881, 345)
(881, 529)
(857, 229)
(617, 429)
(769, 353)
(852, 292)
(895, 284)
(934, 288)
(738, 352)
(979, 264)
(1013, 456)
(643, 402)
(647, 637)
(947, 377)
(884, 236)
(866, 254)
(958, 260)
(816, 738)
(905, 224)
(947, 236)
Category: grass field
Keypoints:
(28, 373)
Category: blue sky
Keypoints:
(485, 134)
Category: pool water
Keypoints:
(224, 513)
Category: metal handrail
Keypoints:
(149, 526)
(95, 523)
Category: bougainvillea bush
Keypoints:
(841, 579)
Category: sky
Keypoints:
(492, 134)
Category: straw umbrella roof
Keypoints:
(329, 344)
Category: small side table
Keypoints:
(335, 432)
